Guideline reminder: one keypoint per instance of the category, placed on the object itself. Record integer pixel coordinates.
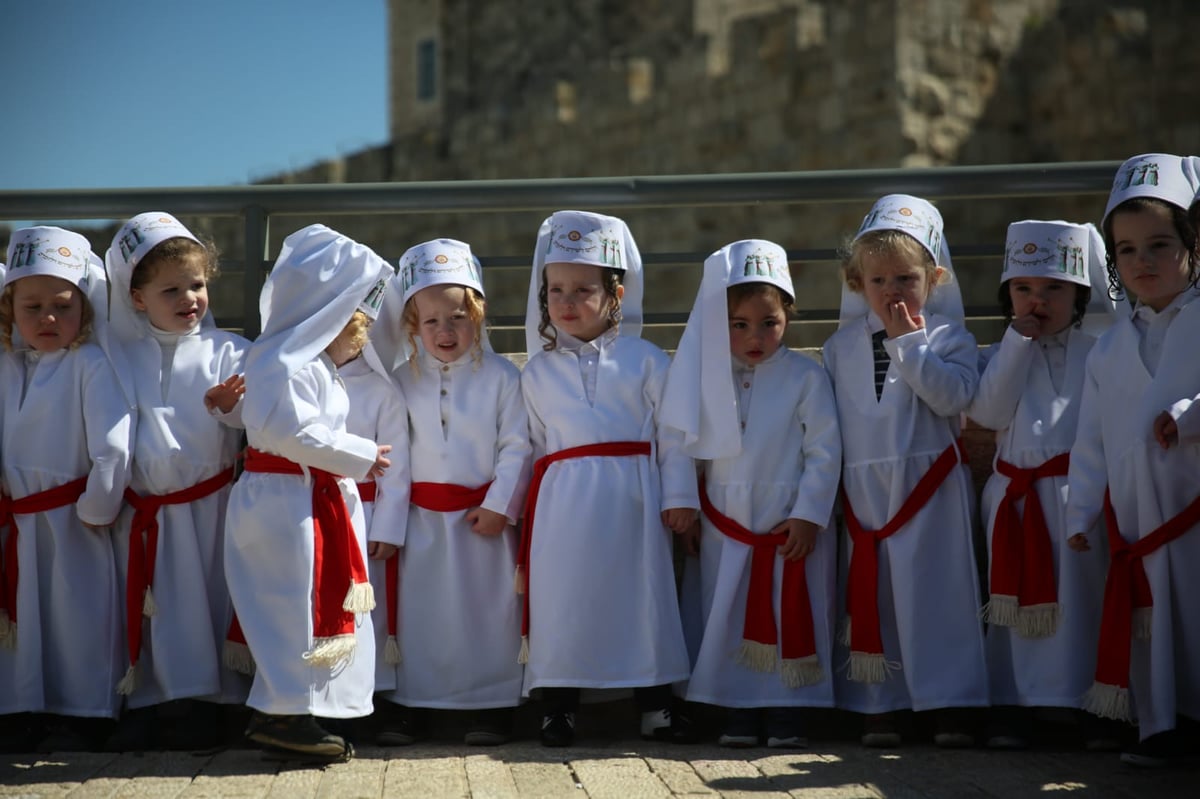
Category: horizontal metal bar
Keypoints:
(652, 191)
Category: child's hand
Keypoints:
(801, 538)
(1166, 432)
(486, 522)
(1028, 326)
(899, 323)
(1079, 542)
(225, 395)
(381, 462)
(691, 537)
(678, 520)
(378, 550)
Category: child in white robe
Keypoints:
(1139, 446)
(1044, 611)
(903, 369)
(469, 450)
(295, 542)
(67, 433)
(608, 483)
(762, 423)
(177, 607)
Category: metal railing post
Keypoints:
(257, 225)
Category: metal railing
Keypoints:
(256, 205)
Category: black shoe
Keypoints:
(298, 735)
(684, 728)
(741, 728)
(136, 731)
(403, 726)
(1101, 734)
(880, 731)
(558, 729)
(489, 727)
(192, 726)
(1009, 727)
(953, 728)
(785, 728)
(1154, 752)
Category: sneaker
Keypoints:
(684, 728)
(656, 725)
(297, 735)
(741, 728)
(785, 728)
(1154, 752)
(953, 729)
(489, 727)
(402, 726)
(879, 731)
(558, 729)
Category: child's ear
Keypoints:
(620, 291)
(138, 303)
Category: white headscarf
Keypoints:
(1064, 251)
(319, 280)
(699, 397)
(137, 237)
(1172, 178)
(583, 237)
(920, 220)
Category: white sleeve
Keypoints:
(109, 426)
(817, 414)
(676, 469)
(389, 519)
(1003, 381)
(942, 369)
(513, 463)
(1087, 478)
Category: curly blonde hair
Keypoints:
(887, 243)
(476, 312)
(175, 249)
(8, 319)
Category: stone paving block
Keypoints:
(232, 774)
(618, 776)
(489, 777)
(49, 775)
(813, 775)
(731, 776)
(541, 773)
(293, 781)
(361, 777)
(422, 776)
(678, 775)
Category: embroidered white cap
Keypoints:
(436, 262)
(53, 251)
(1171, 178)
(584, 237)
(139, 236)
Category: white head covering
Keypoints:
(583, 237)
(56, 252)
(137, 237)
(699, 396)
(1171, 178)
(319, 280)
(431, 263)
(1064, 251)
(920, 220)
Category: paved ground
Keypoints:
(621, 769)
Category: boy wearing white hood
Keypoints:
(762, 423)
(1053, 284)
(67, 434)
(903, 369)
(296, 542)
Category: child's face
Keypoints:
(576, 300)
(889, 280)
(48, 311)
(1150, 257)
(175, 299)
(443, 321)
(756, 328)
(1050, 301)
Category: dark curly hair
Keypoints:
(1184, 226)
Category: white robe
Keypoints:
(378, 413)
(178, 444)
(460, 618)
(1035, 422)
(1116, 448)
(789, 467)
(70, 421)
(269, 549)
(928, 585)
(603, 609)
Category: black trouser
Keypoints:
(648, 698)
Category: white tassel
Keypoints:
(1142, 618)
(331, 651)
(128, 682)
(1108, 701)
(149, 606)
(237, 657)
(360, 598)
(519, 580)
(867, 668)
(798, 672)
(756, 656)
(1038, 621)
(523, 657)
(391, 651)
(1002, 610)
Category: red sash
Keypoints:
(612, 449)
(139, 598)
(1126, 594)
(1023, 593)
(798, 652)
(862, 589)
(10, 508)
(340, 584)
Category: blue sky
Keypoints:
(130, 93)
